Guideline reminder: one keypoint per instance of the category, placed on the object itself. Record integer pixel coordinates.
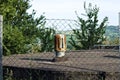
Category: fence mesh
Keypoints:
(62, 25)
(94, 64)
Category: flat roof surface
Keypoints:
(84, 60)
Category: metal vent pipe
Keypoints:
(60, 45)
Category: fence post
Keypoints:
(1, 49)
(119, 31)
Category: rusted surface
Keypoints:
(86, 61)
(60, 42)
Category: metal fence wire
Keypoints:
(66, 26)
(96, 64)
(62, 24)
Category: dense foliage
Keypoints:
(22, 31)
(13, 40)
(90, 32)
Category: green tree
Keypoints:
(90, 32)
(15, 14)
(13, 43)
(20, 29)
(47, 39)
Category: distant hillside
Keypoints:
(112, 32)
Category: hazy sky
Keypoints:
(65, 9)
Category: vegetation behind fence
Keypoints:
(23, 34)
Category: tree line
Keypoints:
(23, 33)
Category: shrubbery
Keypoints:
(22, 31)
(13, 40)
(90, 32)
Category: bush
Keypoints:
(90, 32)
(13, 40)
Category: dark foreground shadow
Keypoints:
(37, 59)
(117, 57)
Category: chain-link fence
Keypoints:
(63, 26)
(66, 26)
(100, 63)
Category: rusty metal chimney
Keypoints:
(60, 47)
